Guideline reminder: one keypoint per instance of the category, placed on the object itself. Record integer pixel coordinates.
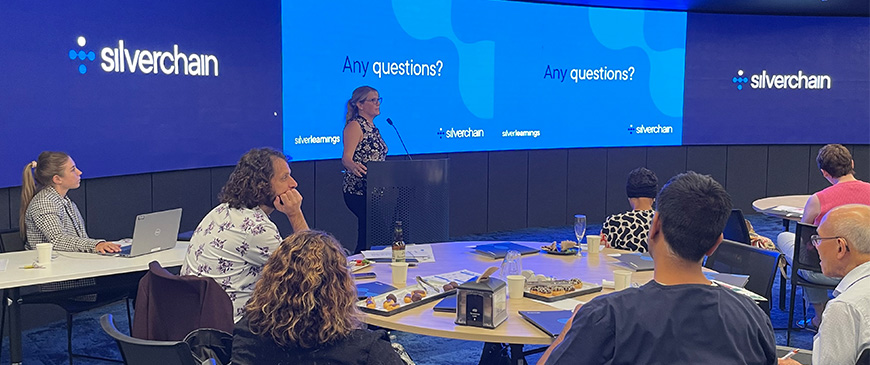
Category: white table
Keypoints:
(69, 266)
(762, 205)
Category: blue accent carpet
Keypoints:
(47, 345)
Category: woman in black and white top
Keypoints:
(47, 214)
(628, 230)
(362, 143)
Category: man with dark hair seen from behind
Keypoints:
(836, 165)
(235, 239)
(679, 317)
(843, 243)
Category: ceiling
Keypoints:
(853, 8)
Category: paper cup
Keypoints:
(43, 254)
(621, 279)
(516, 284)
(592, 243)
(400, 273)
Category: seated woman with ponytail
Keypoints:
(303, 310)
(47, 213)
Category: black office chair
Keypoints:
(738, 258)
(106, 292)
(864, 359)
(736, 229)
(805, 258)
(148, 352)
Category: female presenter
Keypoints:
(362, 143)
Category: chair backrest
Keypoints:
(736, 229)
(864, 359)
(168, 307)
(146, 352)
(806, 256)
(737, 258)
(10, 241)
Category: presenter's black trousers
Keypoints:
(357, 205)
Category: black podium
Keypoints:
(414, 192)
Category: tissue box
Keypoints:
(481, 304)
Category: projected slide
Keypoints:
(135, 86)
(756, 79)
(483, 75)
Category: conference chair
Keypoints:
(864, 359)
(805, 258)
(742, 259)
(736, 229)
(137, 351)
(105, 292)
(169, 307)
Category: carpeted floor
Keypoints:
(47, 345)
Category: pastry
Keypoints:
(416, 297)
(576, 283)
(407, 298)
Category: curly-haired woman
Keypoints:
(233, 242)
(303, 310)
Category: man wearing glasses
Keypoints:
(843, 243)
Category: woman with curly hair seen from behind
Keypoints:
(303, 310)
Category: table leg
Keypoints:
(15, 327)
(785, 224)
(517, 357)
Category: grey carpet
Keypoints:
(47, 345)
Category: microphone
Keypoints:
(390, 122)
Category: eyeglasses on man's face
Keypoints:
(374, 100)
(816, 240)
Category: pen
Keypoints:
(789, 354)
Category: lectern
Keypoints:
(414, 192)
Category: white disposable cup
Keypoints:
(43, 254)
(592, 243)
(621, 279)
(400, 273)
(516, 284)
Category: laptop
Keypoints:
(500, 249)
(153, 232)
(637, 261)
(551, 322)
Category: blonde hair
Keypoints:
(36, 176)
(358, 95)
(305, 296)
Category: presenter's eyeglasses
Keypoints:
(375, 100)
(816, 240)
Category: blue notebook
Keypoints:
(499, 250)
(551, 322)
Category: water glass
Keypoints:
(579, 227)
(512, 264)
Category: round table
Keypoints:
(764, 204)
(454, 256)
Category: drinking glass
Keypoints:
(580, 227)
(512, 264)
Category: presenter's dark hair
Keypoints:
(835, 159)
(250, 184)
(36, 176)
(693, 209)
(358, 95)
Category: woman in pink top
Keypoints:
(836, 164)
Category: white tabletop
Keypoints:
(77, 265)
(798, 201)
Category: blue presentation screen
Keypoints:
(777, 80)
(128, 87)
(483, 75)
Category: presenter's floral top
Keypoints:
(231, 246)
(370, 148)
(628, 231)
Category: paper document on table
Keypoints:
(786, 210)
(564, 304)
(739, 290)
(423, 253)
(3, 263)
